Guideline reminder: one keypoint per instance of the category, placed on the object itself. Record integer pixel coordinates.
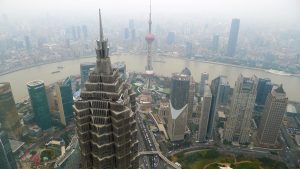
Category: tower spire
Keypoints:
(150, 22)
(101, 29)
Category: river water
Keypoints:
(18, 79)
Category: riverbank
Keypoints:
(40, 64)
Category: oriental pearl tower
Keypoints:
(149, 69)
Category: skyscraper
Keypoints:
(85, 69)
(233, 37)
(189, 49)
(171, 38)
(220, 92)
(272, 116)
(8, 112)
(215, 43)
(237, 127)
(39, 103)
(264, 87)
(203, 80)
(105, 116)
(7, 160)
(65, 100)
(204, 115)
(180, 85)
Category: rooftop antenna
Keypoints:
(101, 29)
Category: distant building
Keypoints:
(9, 118)
(204, 115)
(272, 117)
(264, 87)
(203, 81)
(215, 43)
(238, 124)
(27, 43)
(171, 38)
(39, 103)
(65, 101)
(233, 37)
(220, 93)
(7, 160)
(189, 49)
(126, 33)
(85, 69)
(131, 24)
(84, 31)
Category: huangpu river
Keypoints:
(165, 66)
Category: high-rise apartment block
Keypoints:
(105, 117)
(272, 116)
(9, 118)
(237, 127)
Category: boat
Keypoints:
(60, 67)
(54, 72)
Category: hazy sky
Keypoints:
(252, 10)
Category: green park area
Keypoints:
(212, 159)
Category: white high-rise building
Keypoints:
(237, 127)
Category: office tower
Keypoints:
(237, 127)
(224, 90)
(272, 116)
(149, 69)
(84, 31)
(180, 86)
(105, 116)
(65, 100)
(204, 114)
(39, 103)
(220, 94)
(126, 33)
(215, 43)
(189, 49)
(233, 37)
(203, 81)
(171, 38)
(85, 69)
(8, 112)
(7, 160)
(264, 87)
(27, 43)
(175, 120)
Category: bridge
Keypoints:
(164, 158)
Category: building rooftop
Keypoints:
(279, 89)
(221, 114)
(291, 109)
(15, 145)
(35, 83)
